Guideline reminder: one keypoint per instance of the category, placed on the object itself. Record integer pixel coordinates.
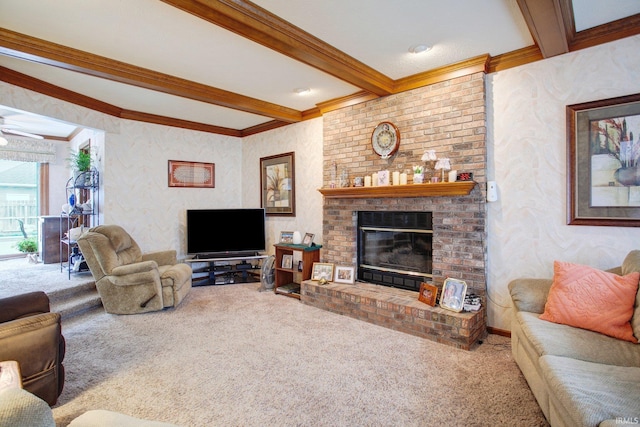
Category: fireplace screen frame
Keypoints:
(418, 226)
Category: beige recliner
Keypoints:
(128, 281)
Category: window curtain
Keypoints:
(22, 150)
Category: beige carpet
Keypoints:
(17, 276)
(233, 356)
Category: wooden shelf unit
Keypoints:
(458, 188)
(287, 278)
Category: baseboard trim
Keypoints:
(497, 331)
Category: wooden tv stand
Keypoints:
(225, 270)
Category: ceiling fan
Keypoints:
(13, 128)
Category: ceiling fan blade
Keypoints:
(19, 132)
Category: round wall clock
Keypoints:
(385, 139)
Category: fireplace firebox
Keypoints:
(395, 248)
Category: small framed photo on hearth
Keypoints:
(453, 292)
(308, 239)
(286, 237)
(428, 294)
(322, 271)
(344, 275)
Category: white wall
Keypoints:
(134, 164)
(527, 143)
(305, 140)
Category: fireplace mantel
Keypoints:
(459, 188)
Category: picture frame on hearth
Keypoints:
(286, 237)
(428, 294)
(345, 275)
(453, 293)
(322, 271)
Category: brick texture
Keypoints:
(399, 310)
(448, 117)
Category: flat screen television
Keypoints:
(225, 232)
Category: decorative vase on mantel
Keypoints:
(418, 174)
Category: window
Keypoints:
(19, 203)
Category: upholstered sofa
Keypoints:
(582, 370)
(129, 281)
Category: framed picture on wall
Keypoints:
(603, 162)
(277, 185)
(191, 174)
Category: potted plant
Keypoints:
(80, 162)
(29, 246)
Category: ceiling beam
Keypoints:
(22, 80)
(259, 25)
(29, 48)
(547, 25)
(605, 33)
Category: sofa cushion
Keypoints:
(630, 264)
(19, 408)
(588, 393)
(547, 338)
(592, 299)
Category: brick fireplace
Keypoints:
(448, 117)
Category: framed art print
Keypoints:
(277, 184)
(191, 174)
(603, 162)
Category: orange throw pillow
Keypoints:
(592, 299)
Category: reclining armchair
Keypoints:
(31, 335)
(128, 281)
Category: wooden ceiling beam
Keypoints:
(29, 48)
(605, 33)
(31, 83)
(547, 25)
(261, 26)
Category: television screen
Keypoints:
(225, 231)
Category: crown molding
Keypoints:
(448, 72)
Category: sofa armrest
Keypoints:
(168, 257)
(529, 294)
(24, 305)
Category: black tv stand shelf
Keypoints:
(225, 270)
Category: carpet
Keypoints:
(18, 276)
(232, 356)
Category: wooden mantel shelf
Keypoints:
(460, 188)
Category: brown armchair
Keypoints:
(128, 281)
(31, 335)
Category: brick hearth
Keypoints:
(397, 309)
